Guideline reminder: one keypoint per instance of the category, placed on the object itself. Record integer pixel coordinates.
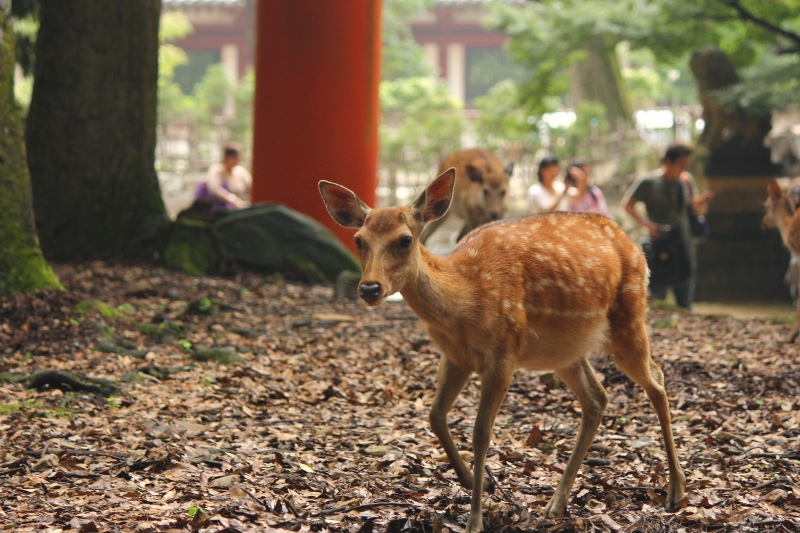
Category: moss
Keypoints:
(299, 269)
(14, 377)
(191, 247)
(164, 332)
(22, 266)
(11, 408)
(220, 355)
(39, 408)
(105, 310)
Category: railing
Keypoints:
(616, 159)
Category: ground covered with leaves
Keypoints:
(147, 400)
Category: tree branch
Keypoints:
(747, 15)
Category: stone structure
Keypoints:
(741, 260)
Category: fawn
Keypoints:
(538, 292)
(780, 212)
(480, 191)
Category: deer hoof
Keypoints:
(554, 509)
(674, 499)
(474, 524)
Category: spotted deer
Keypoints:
(480, 191)
(781, 212)
(538, 292)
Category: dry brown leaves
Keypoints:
(324, 426)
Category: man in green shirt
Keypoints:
(666, 197)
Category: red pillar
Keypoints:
(316, 102)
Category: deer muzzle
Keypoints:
(369, 291)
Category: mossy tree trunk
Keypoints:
(22, 267)
(92, 127)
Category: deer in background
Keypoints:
(780, 212)
(480, 190)
(538, 292)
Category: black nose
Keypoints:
(495, 215)
(370, 291)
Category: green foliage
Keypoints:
(420, 122)
(571, 142)
(194, 510)
(210, 94)
(772, 84)
(402, 56)
(202, 109)
(171, 100)
(550, 36)
(243, 96)
(502, 120)
(114, 402)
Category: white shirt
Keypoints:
(540, 200)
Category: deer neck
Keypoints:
(437, 285)
(783, 220)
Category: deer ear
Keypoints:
(345, 207)
(434, 201)
(474, 173)
(774, 189)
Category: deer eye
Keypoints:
(404, 242)
(358, 242)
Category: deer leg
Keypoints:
(451, 379)
(630, 348)
(796, 327)
(592, 397)
(494, 386)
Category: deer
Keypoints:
(780, 212)
(480, 191)
(538, 292)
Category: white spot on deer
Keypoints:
(472, 252)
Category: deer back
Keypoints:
(544, 288)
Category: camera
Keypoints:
(569, 179)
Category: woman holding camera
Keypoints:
(587, 197)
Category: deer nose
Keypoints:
(370, 292)
(495, 215)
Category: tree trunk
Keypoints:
(92, 127)
(599, 79)
(732, 140)
(22, 267)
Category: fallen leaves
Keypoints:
(316, 418)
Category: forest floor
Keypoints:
(247, 404)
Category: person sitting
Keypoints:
(227, 184)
